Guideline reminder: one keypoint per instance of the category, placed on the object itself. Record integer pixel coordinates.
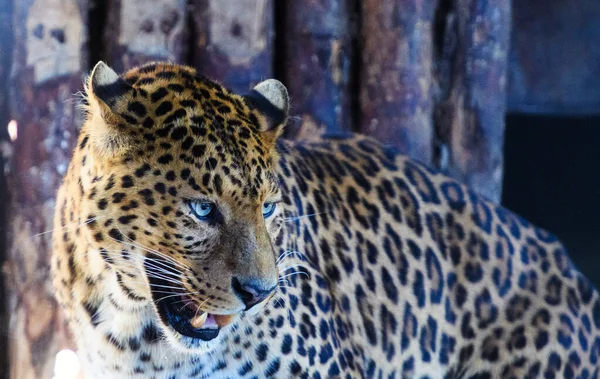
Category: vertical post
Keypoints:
(5, 64)
(396, 74)
(48, 65)
(317, 65)
(470, 115)
(233, 41)
(140, 31)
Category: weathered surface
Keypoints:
(233, 41)
(48, 65)
(472, 77)
(396, 74)
(318, 65)
(555, 57)
(139, 31)
(5, 60)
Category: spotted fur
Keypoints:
(385, 269)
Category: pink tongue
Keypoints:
(210, 322)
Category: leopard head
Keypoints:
(182, 196)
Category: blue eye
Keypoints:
(268, 209)
(202, 209)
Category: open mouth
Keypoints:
(182, 314)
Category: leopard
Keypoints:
(192, 240)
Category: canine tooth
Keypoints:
(198, 321)
(224, 320)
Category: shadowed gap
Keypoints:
(551, 178)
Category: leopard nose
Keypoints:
(251, 291)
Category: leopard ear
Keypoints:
(105, 89)
(270, 99)
(105, 86)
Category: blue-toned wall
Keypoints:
(555, 57)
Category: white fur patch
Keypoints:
(103, 75)
(274, 91)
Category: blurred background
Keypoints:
(502, 96)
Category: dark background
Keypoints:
(552, 178)
(552, 140)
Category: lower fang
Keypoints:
(224, 320)
(198, 321)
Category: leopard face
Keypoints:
(182, 173)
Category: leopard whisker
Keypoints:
(205, 300)
(149, 262)
(74, 223)
(157, 265)
(149, 250)
(296, 218)
(296, 273)
(159, 254)
(166, 297)
(297, 267)
(290, 263)
(288, 253)
(167, 258)
(164, 286)
(300, 256)
(164, 278)
(187, 302)
(154, 269)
